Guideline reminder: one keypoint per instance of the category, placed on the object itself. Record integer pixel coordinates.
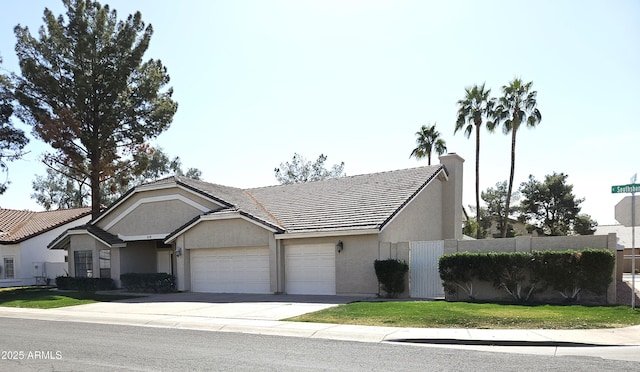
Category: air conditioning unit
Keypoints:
(38, 268)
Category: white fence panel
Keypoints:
(424, 279)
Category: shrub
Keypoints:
(148, 282)
(512, 272)
(390, 275)
(597, 266)
(85, 284)
(459, 270)
(521, 274)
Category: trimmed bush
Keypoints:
(85, 284)
(597, 266)
(513, 272)
(148, 282)
(390, 275)
(459, 270)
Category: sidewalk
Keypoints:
(258, 318)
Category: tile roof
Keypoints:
(17, 226)
(357, 202)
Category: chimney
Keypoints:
(452, 196)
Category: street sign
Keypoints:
(634, 187)
(623, 211)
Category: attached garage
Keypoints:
(230, 270)
(310, 269)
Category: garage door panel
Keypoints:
(310, 269)
(230, 270)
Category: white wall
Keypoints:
(34, 250)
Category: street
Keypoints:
(34, 345)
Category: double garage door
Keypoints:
(309, 269)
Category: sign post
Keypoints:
(632, 188)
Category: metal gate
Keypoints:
(424, 279)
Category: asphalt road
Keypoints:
(34, 345)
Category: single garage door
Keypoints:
(230, 270)
(310, 269)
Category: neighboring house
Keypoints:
(623, 234)
(519, 229)
(24, 235)
(624, 243)
(314, 238)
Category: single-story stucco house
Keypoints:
(313, 238)
(24, 235)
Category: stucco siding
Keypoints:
(154, 218)
(226, 234)
(155, 212)
(421, 219)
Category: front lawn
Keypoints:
(440, 314)
(48, 298)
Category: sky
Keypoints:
(257, 81)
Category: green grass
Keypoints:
(440, 314)
(47, 298)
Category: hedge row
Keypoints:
(148, 282)
(85, 284)
(522, 274)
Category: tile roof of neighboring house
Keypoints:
(17, 226)
(356, 202)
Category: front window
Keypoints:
(83, 263)
(105, 263)
(9, 272)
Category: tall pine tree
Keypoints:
(86, 91)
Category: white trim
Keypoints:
(152, 187)
(413, 198)
(234, 215)
(128, 238)
(155, 199)
(323, 234)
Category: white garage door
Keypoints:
(310, 269)
(230, 270)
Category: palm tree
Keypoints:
(472, 110)
(517, 106)
(427, 141)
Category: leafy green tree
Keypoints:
(60, 191)
(584, 225)
(551, 207)
(12, 139)
(68, 190)
(496, 200)
(481, 230)
(86, 91)
(517, 106)
(428, 139)
(299, 170)
(474, 110)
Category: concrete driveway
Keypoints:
(209, 305)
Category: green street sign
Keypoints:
(634, 187)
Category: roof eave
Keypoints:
(326, 233)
